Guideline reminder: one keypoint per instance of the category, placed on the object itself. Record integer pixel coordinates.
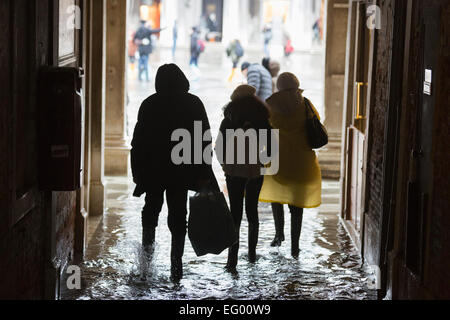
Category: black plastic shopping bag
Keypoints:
(211, 227)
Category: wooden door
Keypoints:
(356, 132)
(420, 180)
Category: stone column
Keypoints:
(336, 39)
(96, 78)
(301, 18)
(117, 149)
(169, 13)
(231, 23)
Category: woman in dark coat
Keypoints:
(154, 172)
(245, 111)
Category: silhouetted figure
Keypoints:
(298, 182)
(195, 47)
(154, 171)
(259, 78)
(235, 52)
(143, 38)
(245, 111)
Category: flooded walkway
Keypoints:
(329, 266)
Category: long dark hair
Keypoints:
(249, 109)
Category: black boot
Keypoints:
(148, 240)
(232, 258)
(278, 217)
(176, 258)
(296, 228)
(253, 232)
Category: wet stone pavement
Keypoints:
(329, 266)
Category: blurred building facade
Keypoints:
(242, 19)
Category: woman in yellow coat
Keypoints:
(298, 182)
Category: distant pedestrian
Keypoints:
(274, 68)
(197, 48)
(154, 172)
(317, 36)
(132, 50)
(143, 38)
(298, 182)
(175, 38)
(235, 52)
(267, 35)
(287, 45)
(258, 77)
(244, 180)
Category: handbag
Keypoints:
(211, 228)
(316, 132)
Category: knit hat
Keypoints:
(243, 91)
(287, 81)
(245, 66)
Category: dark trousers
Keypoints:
(177, 204)
(296, 224)
(238, 188)
(194, 60)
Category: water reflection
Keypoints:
(329, 267)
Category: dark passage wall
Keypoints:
(26, 36)
(430, 245)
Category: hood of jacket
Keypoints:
(170, 79)
(286, 101)
(246, 112)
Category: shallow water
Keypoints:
(329, 266)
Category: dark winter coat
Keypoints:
(171, 108)
(244, 113)
(261, 79)
(145, 34)
(195, 47)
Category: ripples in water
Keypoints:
(115, 267)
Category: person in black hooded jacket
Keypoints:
(154, 172)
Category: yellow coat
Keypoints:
(299, 179)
